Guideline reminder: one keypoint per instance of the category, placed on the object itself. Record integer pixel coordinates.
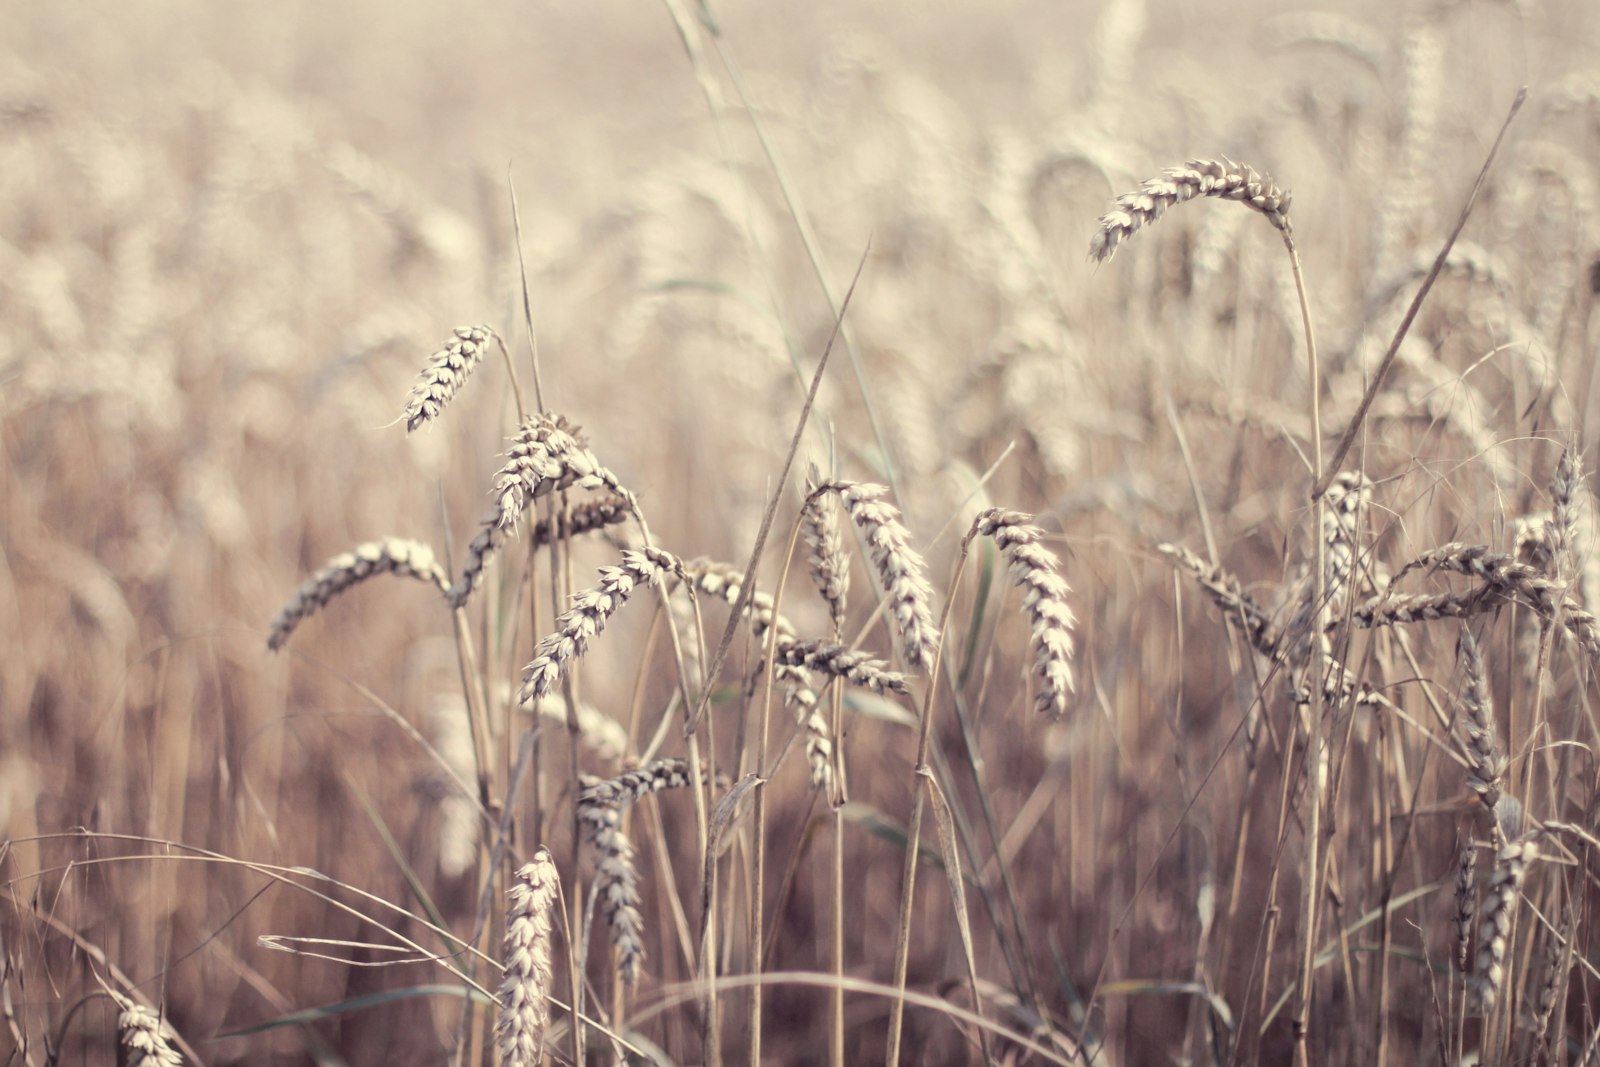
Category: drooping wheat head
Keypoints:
(590, 611)
(1499, 910)
(1221, 178)
(392, 555)
(145, 1034)
(900, 568)
(1486, 763)
(1036, 571)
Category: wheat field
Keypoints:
(516, 514)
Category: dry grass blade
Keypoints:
(392, 555)
(590, 611)
(525, 991)
(1035, 570)
(1221, 178)
(446, 372)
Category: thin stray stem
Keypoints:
(1416, 305)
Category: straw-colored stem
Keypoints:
(908, 880)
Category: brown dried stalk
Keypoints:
(392, 555)
(1221, 178)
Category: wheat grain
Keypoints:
(525, 990)
(1227, 592)
(900, 568)
(579, 520)
(590, 611)
(1486, 763)
(723, 581)
(1494, 933)
(1222, 178)
(616, 887)
(837, 661)
(801, 699)
(392, 555)
(1564, 488)
(447, 371)
(1466, 900)
(146, 1035)
(830, 570)
(1035, 570)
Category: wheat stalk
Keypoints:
(525, 990)
(1035, 570)
(446, 372)
(590, 611)
(1222, 178)
(392, 555)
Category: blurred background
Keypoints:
(230, 236)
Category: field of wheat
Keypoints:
(516, 514)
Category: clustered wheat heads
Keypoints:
(392, 555)
(548, 454)
(446, 372)
(900, 568)
(145, 1034)
(616, 888)
(590, 611)
(1222, 178)
(1035, 570)
(525, 990)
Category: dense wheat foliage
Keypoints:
(1318, 778)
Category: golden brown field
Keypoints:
(1251, 791)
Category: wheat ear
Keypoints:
(446, 372)
(1035, 570)
(590, 611)
(830, 570)
(392, 555)
(1486, 764)
(616, 888)
(1227, 592)
(900, 567)
(837, 661)
(525, 990)
(1466, 898)
(1494, 933)
(547, 455)
(1222, 178)
(145, 1034)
